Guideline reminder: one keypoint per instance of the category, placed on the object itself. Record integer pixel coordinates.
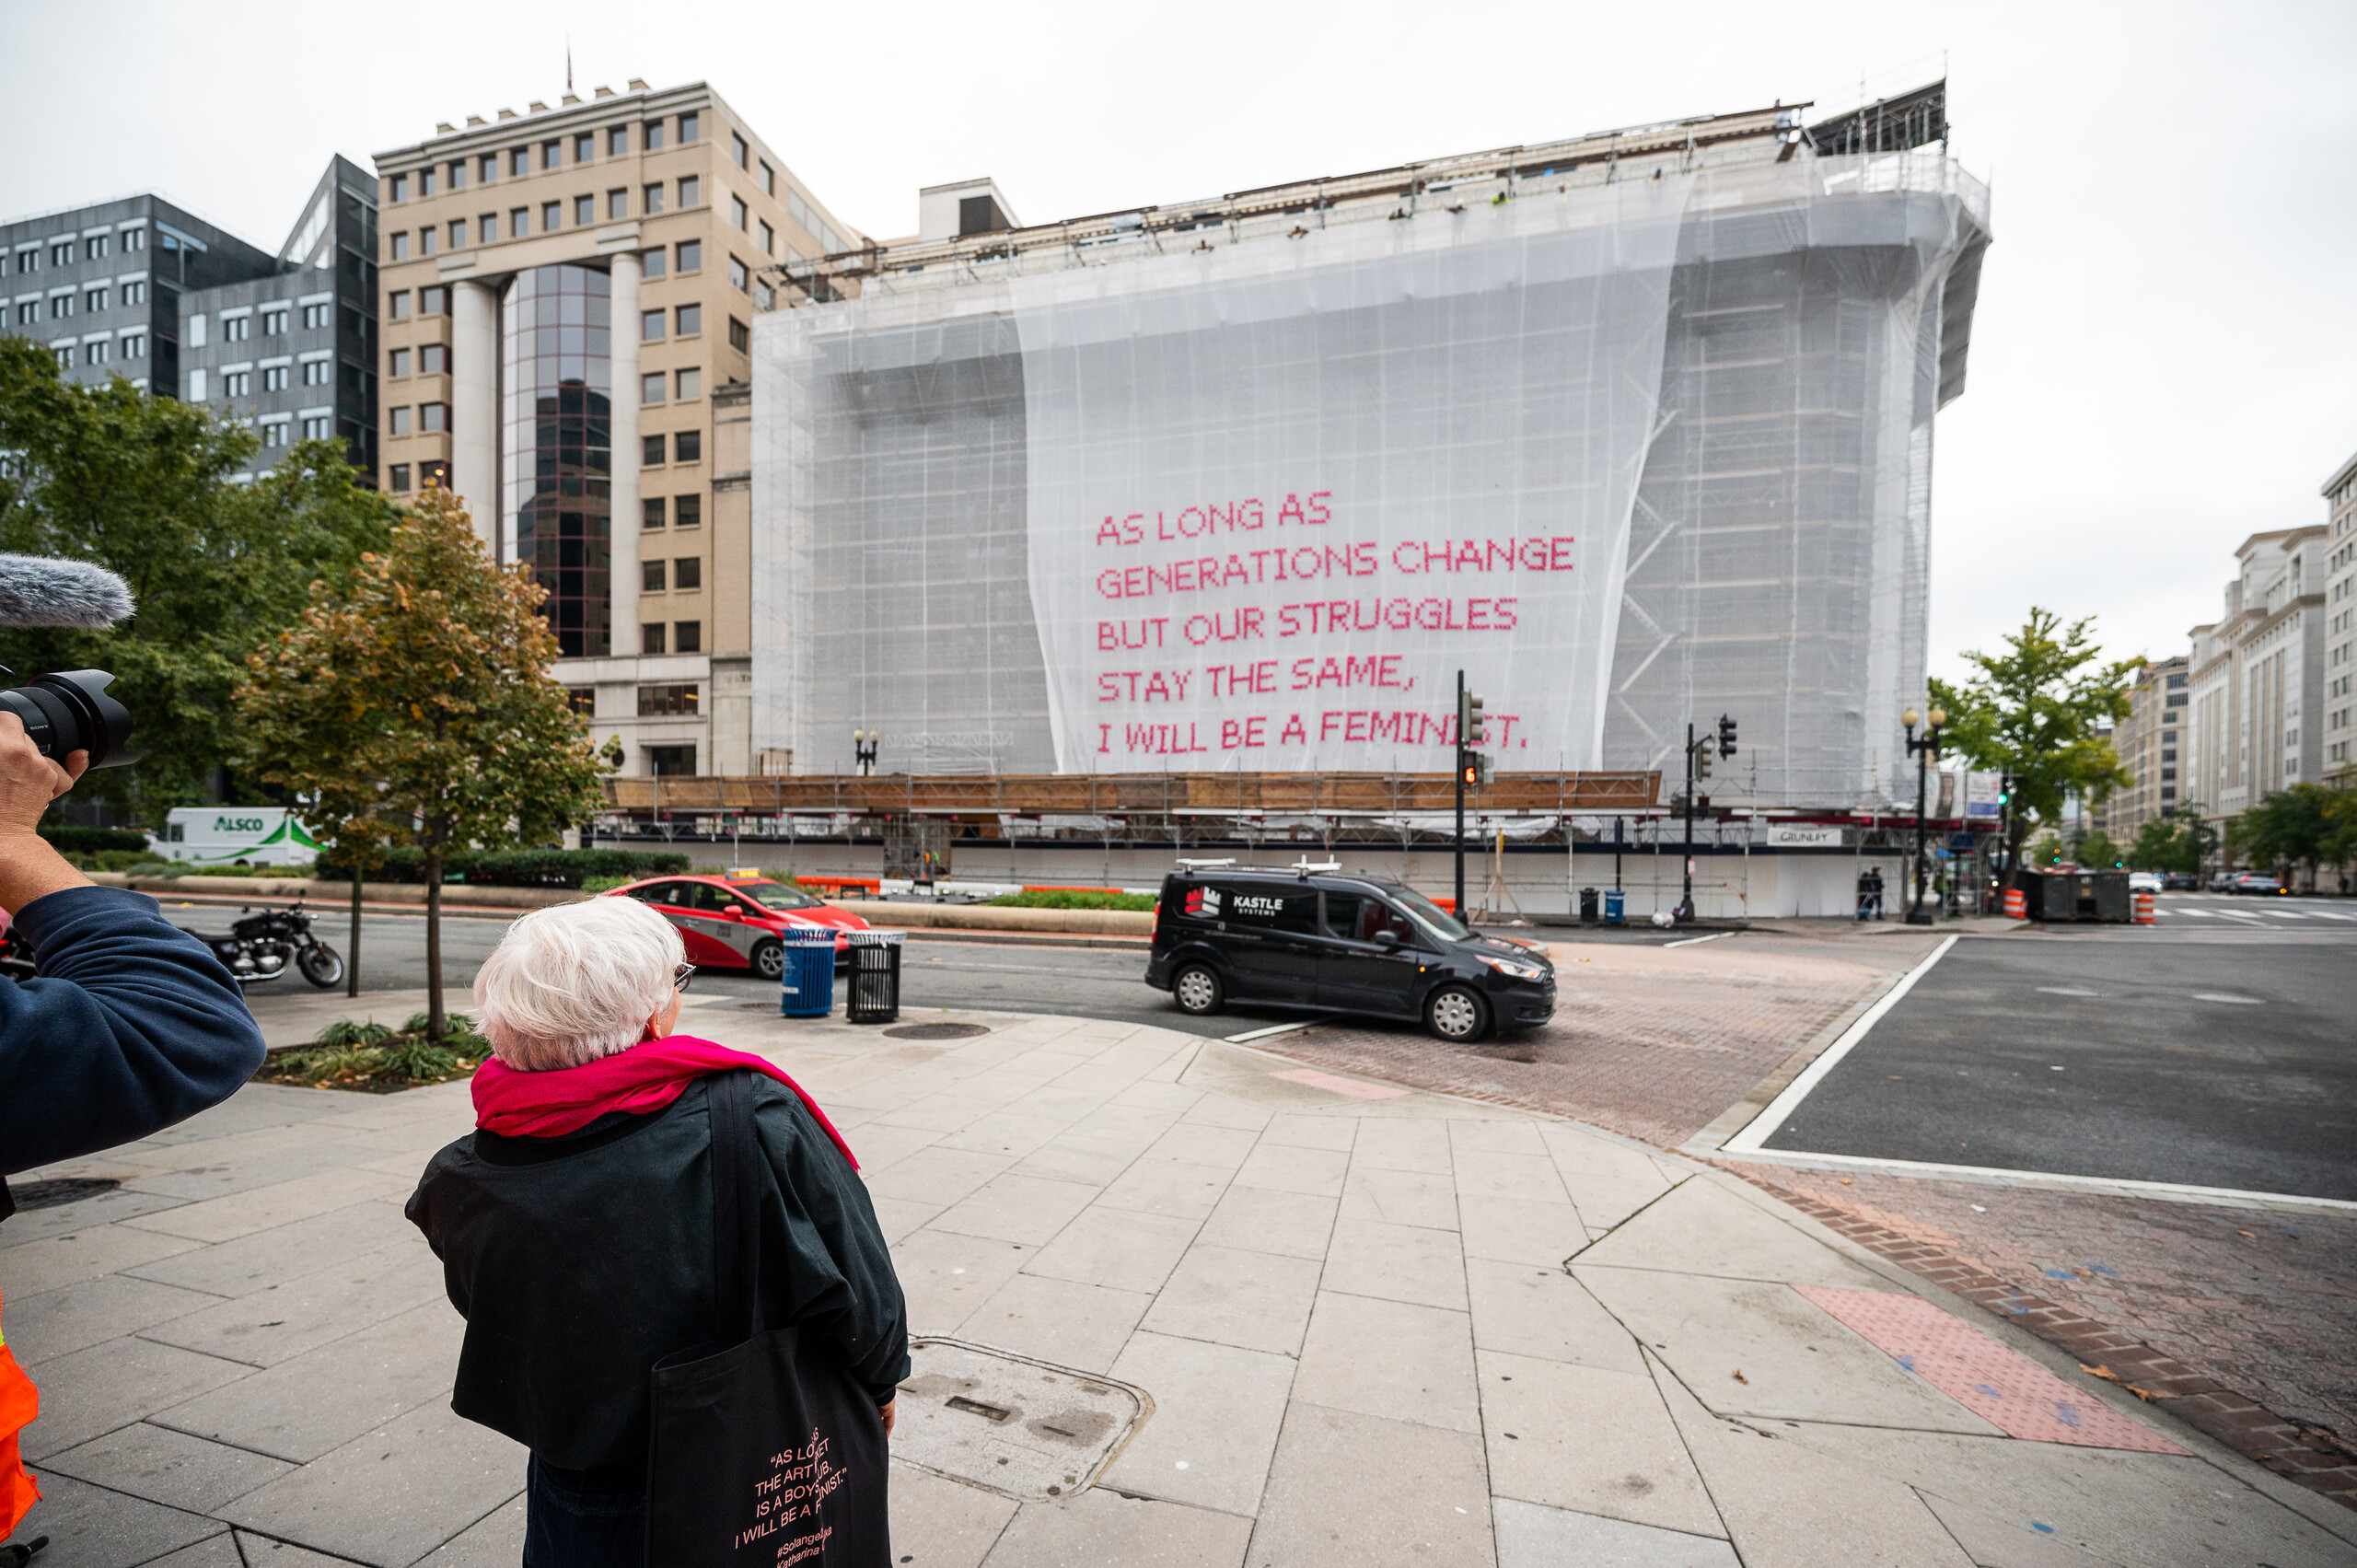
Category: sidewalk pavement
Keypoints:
(1375, 1325)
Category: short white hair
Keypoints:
(574, 982)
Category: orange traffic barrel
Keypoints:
(2143, 909)
(2016, 905)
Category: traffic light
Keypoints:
(1726, 736)
(1702, 760)
(1469, 728)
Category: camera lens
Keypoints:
(71, 711)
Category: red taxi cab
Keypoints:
(733, 922)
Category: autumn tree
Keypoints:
(413, 706)
(2037, 711)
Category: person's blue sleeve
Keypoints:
(131, 1027)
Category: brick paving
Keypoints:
(1652, 1042)
(2240, 1322)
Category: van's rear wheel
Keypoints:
(1457, 1014)
(1197, 990)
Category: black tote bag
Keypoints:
(764, 1451)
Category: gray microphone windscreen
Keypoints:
(44, 590)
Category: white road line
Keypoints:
(2180, 1192)
(1761, 1127)
(1689, 941)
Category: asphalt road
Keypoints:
(2223, 1058)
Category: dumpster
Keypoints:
(871, 994)
(1587, 906)
(808, 987)
(1613, 904)
(2058, 896)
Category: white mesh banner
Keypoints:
(1279, 495)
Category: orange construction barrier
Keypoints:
(2144, 908)
(2017, 904)
(19, 1402)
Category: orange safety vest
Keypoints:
(19, 1402)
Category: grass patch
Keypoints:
(373, 1059)
(1063, 898)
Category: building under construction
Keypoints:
(1632, 430)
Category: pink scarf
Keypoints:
(647, 1076)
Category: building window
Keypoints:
(687, 511)
(94, 300)
(652, 509)
(618, 204)
(273, 322)
(274, 434)
(690, 192)
(664, 702)
(95, 354)
(738, 213)
(61, 307)
(318, 427)
(316, 373)
(237, 383)
(737, 150)
(433, 301)
(457, 174)
(691, 319)
(434, 416)
(28, 261)
(400, 188)
(487, 227)
(687, 447)
(617, 140)
(519, 222)
(487, 168)
(650, 576)
(236, 328)
(558, 427)
(396, 306)
(585, 147)
(584, 211)
(314, 316)
(29, 312)
(399, 248)
(274, 378)
(651, 263)
(426, 240)
(653, 446)
(650, 326)
(764, 297)
(66, 360)
(687, 573)
(691, 385)
(519, 161)
(690, 255)
(741, 336)
(61, 255)
(769, 240)
(397, 364)
(740, 276)
(398, 420)
(687, 637)
(654, 138)
(135, 293)
(134, 345)
(133, 239)
(426, 182)
(552, 217)
(689, 125)
(95, 247)
(650, 387)
(650, 641)
(434, 359)
(769, 180)
(551, 154)
(651, 200)
(398, 476)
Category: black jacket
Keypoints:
(132, 1025)
(579, 1263)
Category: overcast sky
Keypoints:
(2163, 360)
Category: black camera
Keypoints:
(71, 711)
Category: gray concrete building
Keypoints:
(290, 352)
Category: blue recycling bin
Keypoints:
(1613, 904)
(808, 988)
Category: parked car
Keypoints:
(1302, 938)
(2223, 882)
(2181, 882)
(2255, 882)
(735, 921)
(2144, 882)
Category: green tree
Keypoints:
(141, 485)
(2036, 712)
(2308, 825)
(413, 706)
(2095, 849)
(2177, 840)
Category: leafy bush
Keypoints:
(1065, 899)
(373, 1059)
(299, 871)
(139, 862)
(517, 868)
(70, 840)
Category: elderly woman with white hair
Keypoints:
(576, 1223)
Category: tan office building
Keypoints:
(2340, 628)
(2149, 742)
(2257, 678)
(568, 298)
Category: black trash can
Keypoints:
(871, 994)
(1587, 906)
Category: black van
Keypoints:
(1303, 938)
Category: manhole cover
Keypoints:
(67, 1190)
(937, 1031)
(1027, 1429)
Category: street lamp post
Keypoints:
(1922, 749)
(863, 743)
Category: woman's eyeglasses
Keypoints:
(680, 976)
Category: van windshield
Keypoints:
(1430, 915)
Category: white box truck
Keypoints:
(222, 835)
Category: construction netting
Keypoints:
(1627, 455)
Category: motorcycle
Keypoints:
(265, 945)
